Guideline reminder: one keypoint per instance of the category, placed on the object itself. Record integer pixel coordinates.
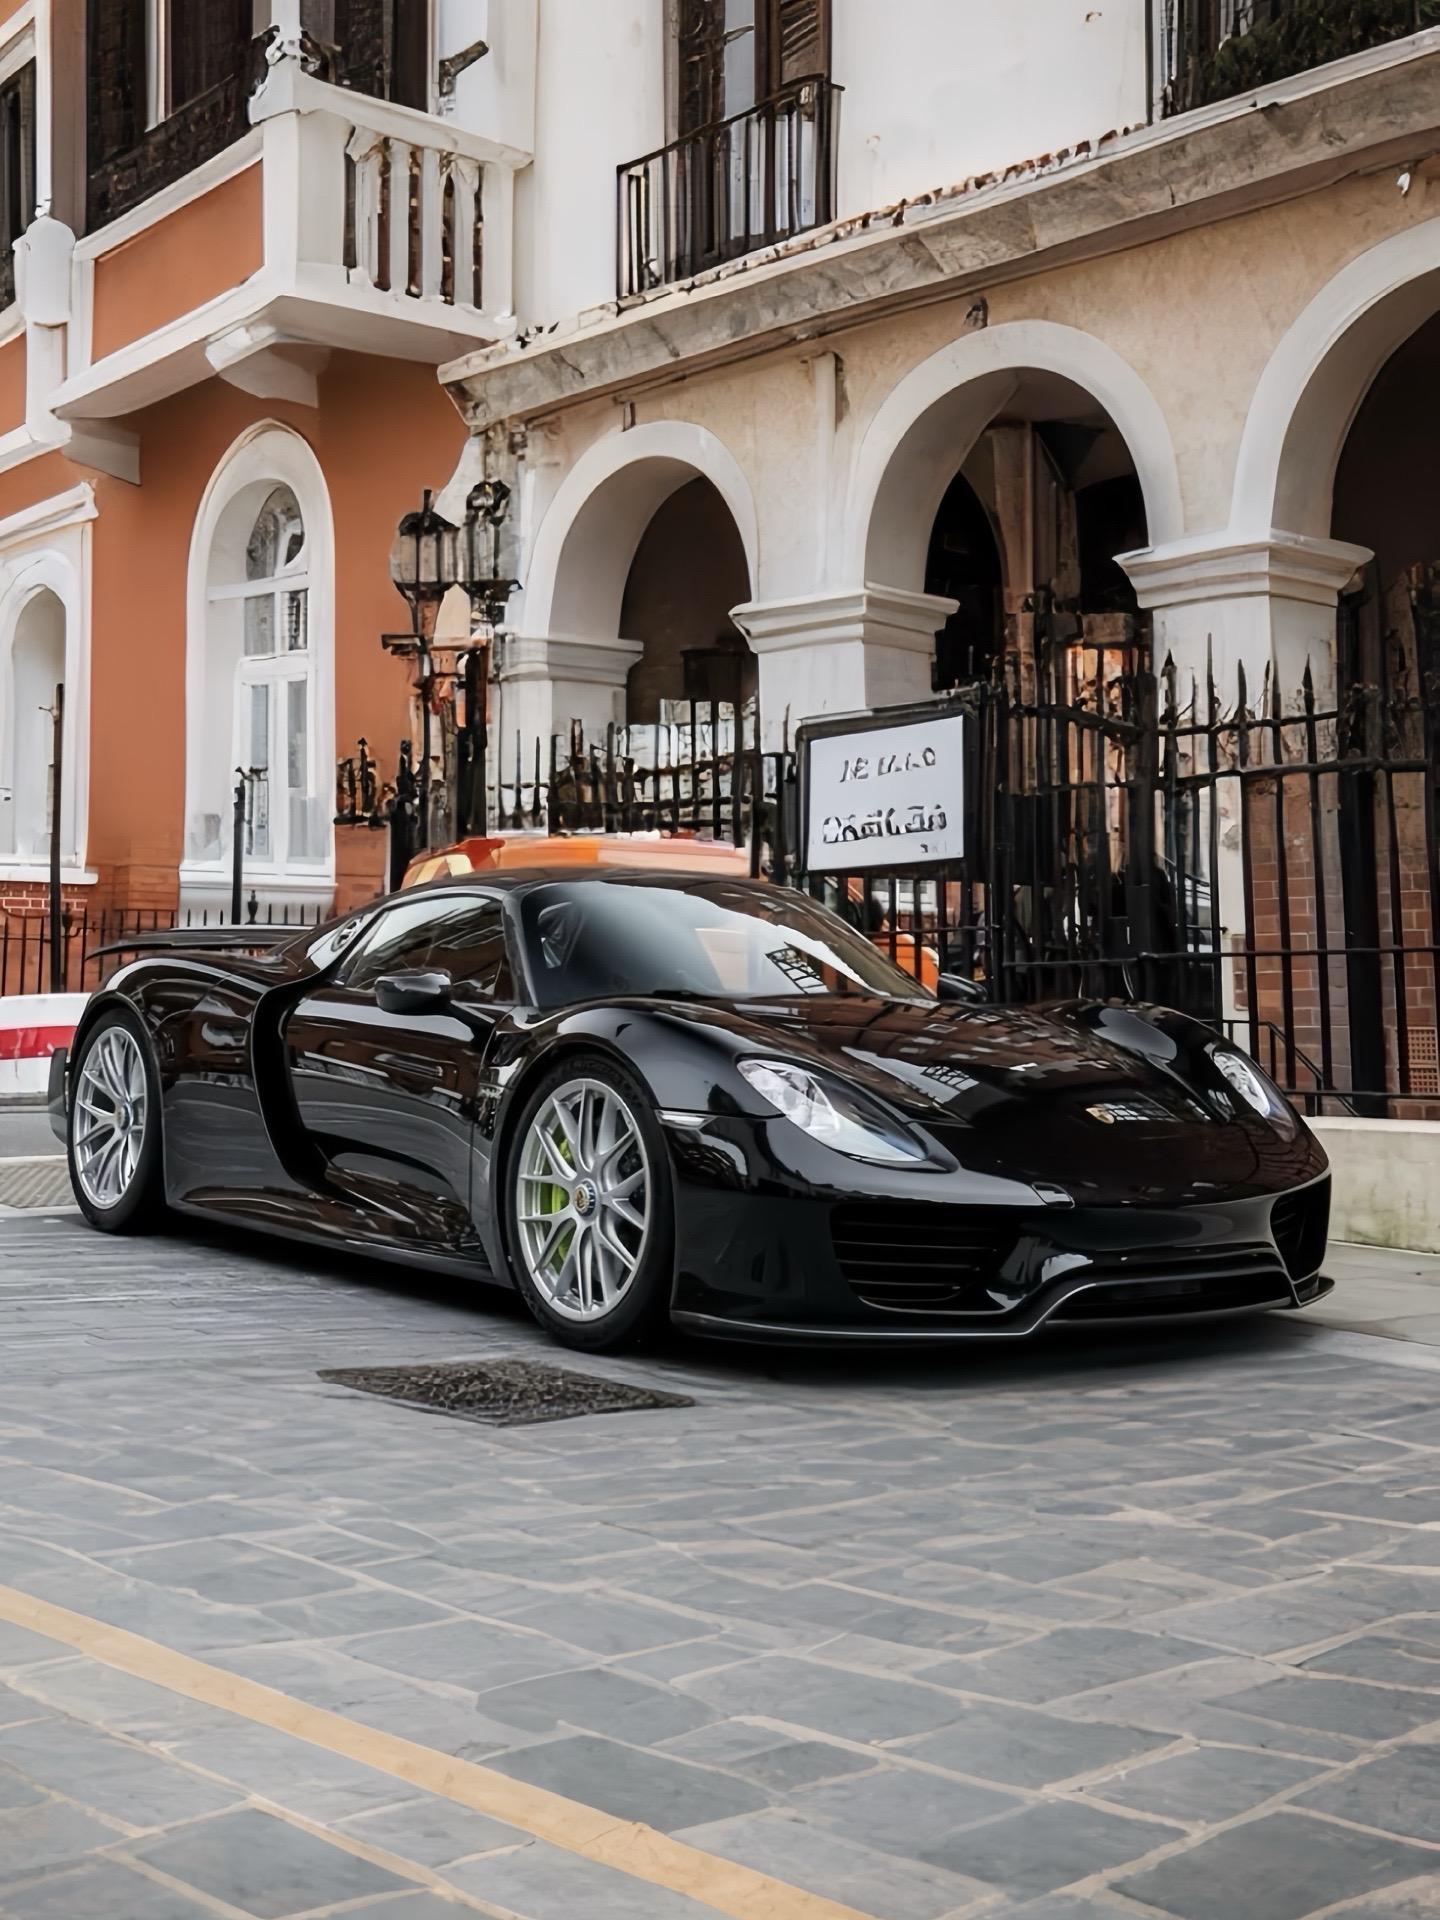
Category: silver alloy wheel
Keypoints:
(108, 1121)
(582, 1193)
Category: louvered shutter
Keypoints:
(798, 40)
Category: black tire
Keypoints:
(644, 1307)
(140, 1208)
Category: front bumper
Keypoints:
(769, 1249)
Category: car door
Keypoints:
(390, 1098)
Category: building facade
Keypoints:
(854, 343)
(243, 237)
(827, 349)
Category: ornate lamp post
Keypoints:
(486, 508)
(424, 566)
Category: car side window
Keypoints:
(464, 937)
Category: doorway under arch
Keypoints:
(689, 570)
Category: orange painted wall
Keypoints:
(189, 257)
(382, 432)
(12, 383)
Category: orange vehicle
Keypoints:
(667, 852)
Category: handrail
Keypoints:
(791, 88)
(727, 188)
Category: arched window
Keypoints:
(259, 666)
(36, 666)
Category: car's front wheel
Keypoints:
(113, 1127)
(591, 1211)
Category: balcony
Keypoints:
(336, 220)
(729, 188)
(1209, 50)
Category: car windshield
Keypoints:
(726, 939)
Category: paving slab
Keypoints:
(266, 1867)
(1283, 1867)
(1116, 1627)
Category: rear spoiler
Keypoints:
(203, 939)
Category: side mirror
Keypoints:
(958, 988)
(415, 991)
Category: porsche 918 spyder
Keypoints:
(635, 1094)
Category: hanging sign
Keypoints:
(884, 789)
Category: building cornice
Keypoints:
(1374, 110)
(886, 616)
(600, 663)
(1211, 566)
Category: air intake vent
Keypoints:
(1300, 1223)
(917, 1257)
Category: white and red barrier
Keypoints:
(32, 1026)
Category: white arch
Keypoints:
(1314, 382)
(927, 425)
(267, 454)
(27, 576)
(586, 541)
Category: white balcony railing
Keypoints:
(414, 212)
(412, 219)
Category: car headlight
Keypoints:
(1255, 1088)
(831, 1113)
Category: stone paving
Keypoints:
(1138, 1627)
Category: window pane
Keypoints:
(297, 769)
(464, 938)
(277, 538)
(470, 947)
(259, 727)
(259, 624)
(209, 41)
(297, 621)
(297, 743)
(257, 790)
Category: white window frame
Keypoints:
(266, 456)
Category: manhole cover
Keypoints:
(503, 1393)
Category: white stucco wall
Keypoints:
(583, 83)
(496, 94)
(600, 101)
(997, 83)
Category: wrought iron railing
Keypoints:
(729, 188)
(1266, 858)
(90, 937)
(1207, 50)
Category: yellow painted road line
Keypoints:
(626, 1845)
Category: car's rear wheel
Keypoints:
(113, 1128)
(591, 1212)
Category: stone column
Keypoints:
(1253, 602)
(1267, 605)
(840, 652)
(545, 683)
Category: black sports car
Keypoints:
(633, 1094)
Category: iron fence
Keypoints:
(728, 188)
(1265, 858)
(27, 943)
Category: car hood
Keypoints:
(1088, 1096)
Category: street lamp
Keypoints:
(487, 507)
(424, 562)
